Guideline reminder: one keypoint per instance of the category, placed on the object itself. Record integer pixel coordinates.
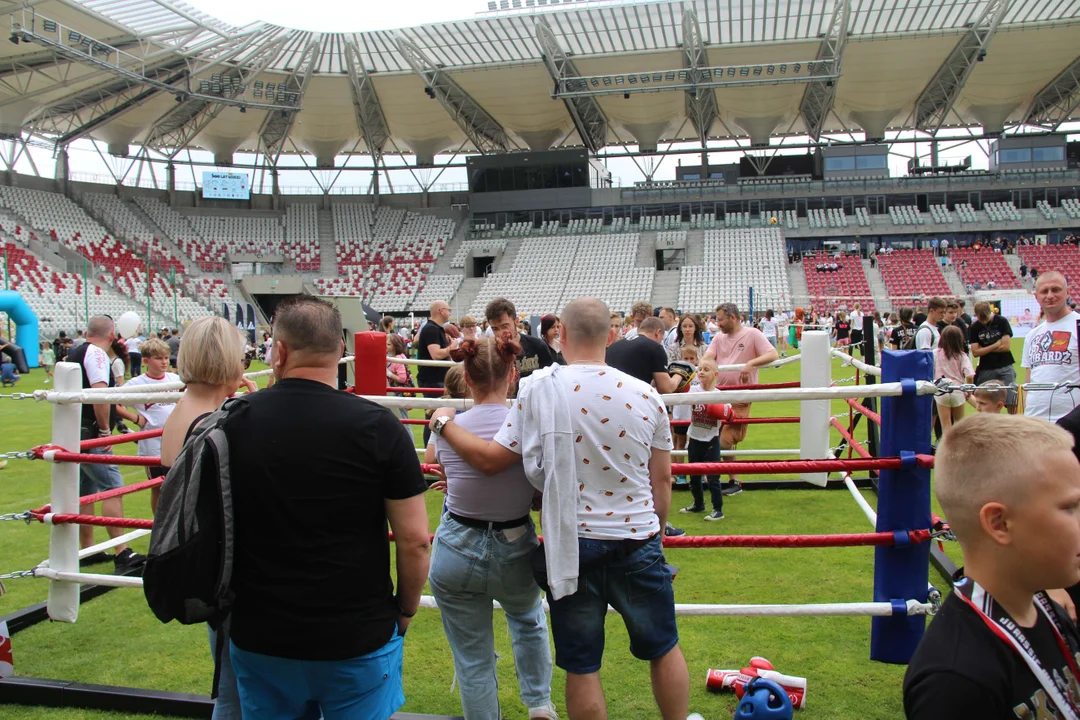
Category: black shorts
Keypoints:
(680, 429)
(856, 337)
(156, 471)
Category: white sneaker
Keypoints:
(694, 716)
(546, 712)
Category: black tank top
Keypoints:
(194, 424)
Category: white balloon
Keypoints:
(128, 324)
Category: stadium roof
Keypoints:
(162, 74)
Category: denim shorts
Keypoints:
(638, 586)
(98, 478)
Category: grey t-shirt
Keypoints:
(495, 498)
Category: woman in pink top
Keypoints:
(397, 375)
(952, 363)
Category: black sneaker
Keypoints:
(128, 562)
(672, 531)
(692, 509)
(95, 559)
(733, 489)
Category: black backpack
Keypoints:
(189, 566)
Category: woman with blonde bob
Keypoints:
(211, 363)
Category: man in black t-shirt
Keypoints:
(963, 312)
(644, 357)
(952, 317)
(903, 335)
(502, 318)
(432, 344)
(1015, 521)
(316, 475)
(990, 336)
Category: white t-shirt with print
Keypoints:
(618, 420)
(1050, 353)
(155, 413)
(702, 427)
(927, 337)
(97, 365)
(768, 327)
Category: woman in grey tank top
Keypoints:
(482, 551)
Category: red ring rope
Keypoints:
(415, 390)
(866, 412)
(778, 467)
(115, 492)
(120, 439)
(851, 441)
(875, 539)
(95, 459)
(760, 386)
(96, 521)
(749, 421)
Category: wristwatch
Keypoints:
(437, 424)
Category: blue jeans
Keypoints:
(227, 704)
(361, 688)
(638, 586)
(470, 567)
(98, 478)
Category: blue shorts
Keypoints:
(638, 586)
(361, 688)
(98, 478)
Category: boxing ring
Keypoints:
(903, 526)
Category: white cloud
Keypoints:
(339, 16)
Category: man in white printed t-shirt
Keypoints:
(1050, 350)
(927, 336)
(152, 416)
(622, 465)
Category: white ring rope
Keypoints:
(702, 398)
(864, 367)
(860, 500)
(914, 607)
(450, 363)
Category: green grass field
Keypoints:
(117, 641)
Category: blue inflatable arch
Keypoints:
(26, 324)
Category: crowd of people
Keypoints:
(319, 619)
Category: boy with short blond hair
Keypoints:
(152, 416)
(990, 397)
(1009, 486)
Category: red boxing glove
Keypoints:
(736, 680)
(724, 413)
(794, 686)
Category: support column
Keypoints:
(63, 603)
(170, 183)
(62, 171)
(815, 371)
(370, 363)
(275, 188)
(901, 572)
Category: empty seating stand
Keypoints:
(832, 290)
(983, 267)
(912, 275)
(734, 260)
(1065, 258)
